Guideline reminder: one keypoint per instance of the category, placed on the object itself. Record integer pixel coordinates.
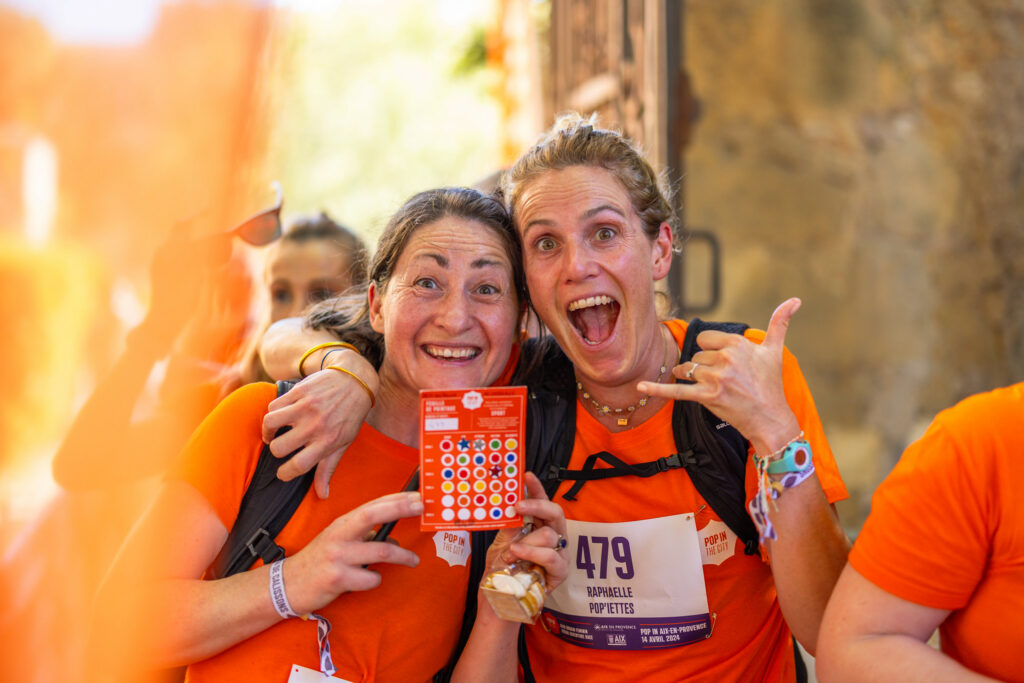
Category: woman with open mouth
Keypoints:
(666, 581)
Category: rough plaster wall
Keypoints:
(867, 156)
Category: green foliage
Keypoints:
(475, 55)
(370, 109)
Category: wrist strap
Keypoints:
(791, 479)
(277, 594)
(323, 626)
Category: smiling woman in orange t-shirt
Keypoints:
(444, 297)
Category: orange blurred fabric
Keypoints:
(946, 530)
(750, 640)
(404, 630)
(144, 135)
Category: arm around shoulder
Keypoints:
(285, 343)
(326, 410)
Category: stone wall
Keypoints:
(867, 156)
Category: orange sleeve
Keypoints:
(798, 395)
(220, 457)
(926, 539)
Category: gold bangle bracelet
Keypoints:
(325, 345)
(364, 385)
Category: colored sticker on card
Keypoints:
(471, 457)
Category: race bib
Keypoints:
(632, 586)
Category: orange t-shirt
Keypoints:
(404, 630)
(946, 530)
(749, 639)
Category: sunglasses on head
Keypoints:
(264, 227)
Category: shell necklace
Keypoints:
(622, 415)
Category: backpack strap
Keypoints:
(524, 657)
(550, 410)
(714, 452)
(479, 541)
(799, 664)
(617, 468)
(265, 509)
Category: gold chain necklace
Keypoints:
(622, 414)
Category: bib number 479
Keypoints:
(592, 556)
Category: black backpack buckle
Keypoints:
(672, 462)
(687, 458)
(261, 545)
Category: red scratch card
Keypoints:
(471, 457)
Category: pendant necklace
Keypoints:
(622, 415)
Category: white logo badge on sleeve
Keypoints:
(452, 547)
(717, 542)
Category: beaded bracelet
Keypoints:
(776, 453)
(318, 347)
(769, 490)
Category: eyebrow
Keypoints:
(441, 260)
(586, 215)
(482, 262)
(598, 209)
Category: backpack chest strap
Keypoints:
(616, 468)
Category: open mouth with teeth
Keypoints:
(594, 317)
(451, 353)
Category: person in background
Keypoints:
(193, 323)
(51, 571)
(196, 323)
(598, 233)
(443, 302)
(316, 258)
(942, 548)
